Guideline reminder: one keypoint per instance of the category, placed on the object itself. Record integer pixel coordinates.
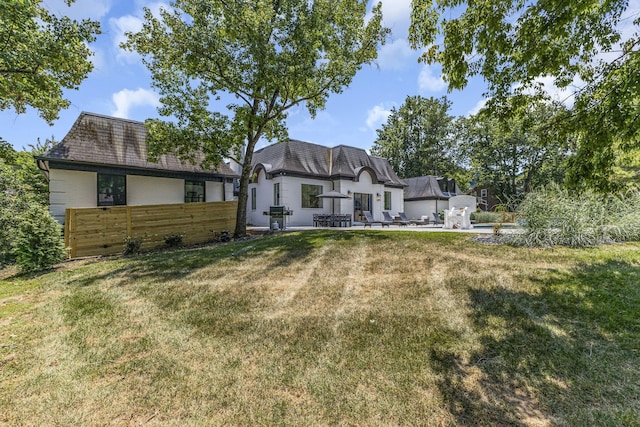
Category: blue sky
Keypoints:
(120, 86)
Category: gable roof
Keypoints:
(430, 187)
(100, 140)
(306, 159)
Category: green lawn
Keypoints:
(328, 328)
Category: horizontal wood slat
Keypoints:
(102, 231)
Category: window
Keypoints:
(193, 191)
(483, 192)
(387, 200)
(253, 198)
(112, 190)
(276, 194)
(309, 193)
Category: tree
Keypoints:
(514, 44)
(514, 155)
(42, 54)
(270, 55)
(416, 139)
(22, 186)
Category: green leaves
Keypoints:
(42, 54)
(267, 55)
(514, 44)
(416, 139)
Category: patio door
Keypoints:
(361, 202)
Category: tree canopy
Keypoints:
(269, 55)
(42, 54)
(517, 155)
(513, 45)
(416, 138)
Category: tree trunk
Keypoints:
(243, 192)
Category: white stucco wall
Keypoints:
(291, 197)
(417, 208)
(149, 190)
(69, 188)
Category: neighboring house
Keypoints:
(292, 174)
(102, 161)
(486, 197)
(425, 195)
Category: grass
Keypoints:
(328, 328)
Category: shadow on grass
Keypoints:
(285, 249)
(564, 353)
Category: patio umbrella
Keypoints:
(332, 195)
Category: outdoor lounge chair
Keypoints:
(389, 218)
(437, 219)
(403, 217)
(368, 220)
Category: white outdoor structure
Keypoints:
(459, 213)
(457, 218)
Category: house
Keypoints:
(102, 161)
(425, 195)
(292, 174)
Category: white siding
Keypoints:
(71, 189)
(417, 208)
(291, 197)
(149, 190)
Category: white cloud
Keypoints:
(127, 99)
(394, 55)
(131, 23)
(565, 95)
(120, 26)
(376, 116)
(428, 82)
(476, 108)
(396, 15)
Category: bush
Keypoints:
(173, 240)
(555, 216)
(486, 217)
(38, 242)
(131, 246)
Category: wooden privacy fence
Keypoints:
(102, 231)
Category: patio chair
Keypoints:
(389, 218)
(437, 219)
(368, 220)
(403, 217)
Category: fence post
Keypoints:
(71, 223)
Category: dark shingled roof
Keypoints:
(306, 159)
(429, 188)
(102, 140)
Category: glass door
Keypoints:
(361, 202)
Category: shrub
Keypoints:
(555, 216)
(38, 242)
(131, 246)
(173, 240)
(484, 217)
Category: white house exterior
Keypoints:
(426, 195)
(293, 173)
(102, 161)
